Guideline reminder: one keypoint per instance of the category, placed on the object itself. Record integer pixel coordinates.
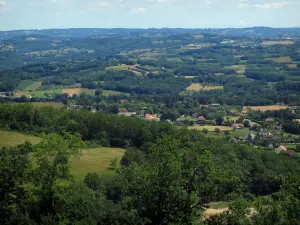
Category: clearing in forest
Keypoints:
(9, 139)
(265, 108)
(240, 69)
(77, 91)
(267, 43)
(209, 127)
(282, 59)
(203, 87)
(95, 160)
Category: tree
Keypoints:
(204, 131)
(113, 163)
(246, 123)
(52, 156)
(227, 132)
(92, 180)
(217, 130)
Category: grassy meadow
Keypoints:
(265, 108)
(9, 139)
(95, 160)
(268, 43)
(202, 87)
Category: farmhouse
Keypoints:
(201, 120)
(280, 149)
(237, 126)
(152, 117)
(269, 120)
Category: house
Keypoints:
(215, 104)
(122, 110)
(280, 149)
(195, 115)
(297, 120)
(77, 85)
(269, 120)
(201, 120)
(204, 106)
(151, 117)
(127, 113)
(237, 126)
(266, 134)
(249, 137)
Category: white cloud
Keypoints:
(138, 10)
(103, 4)
(2, 5)
(243, 5)
(270, 5)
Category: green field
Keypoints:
(110, 92)
(39, 94)
(95, 160)
(56, 105)
(9, 139)
(240, 69)
(28, 85)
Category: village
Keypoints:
(217, 121)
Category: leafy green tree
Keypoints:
(93, 181)
(113, 164)
(217, 130)
(204, 131)
(52, 156)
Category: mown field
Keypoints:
(91, 160)
(78, 91)
(265, 108)
(267, 43)
(282, 59)
(209, 127)
(202, 87)
(9, 139)
(240, 69)
(95, 160)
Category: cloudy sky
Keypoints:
(41, 14)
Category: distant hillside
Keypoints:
(88, 32)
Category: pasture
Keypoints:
(28, 85)
(110, 92)
(77, 91)
(56, 105)
(209, 127)
(10, 139)
(268, 43)
(282, 59)
(120, 67)
(265, 108)
(203, 87)
(94, 160)
(240, 69)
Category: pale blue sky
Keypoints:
(42, 14)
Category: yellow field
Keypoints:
(120, 67)
(265, 108)
(201, 87)
(292, 66)
(266, 43)
(77, 91)
(209, 127)
(10, 139)
(240, 69)
(94, 160)
(282, 59)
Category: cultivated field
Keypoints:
(265, 108)
(266, 43)
(56, 105)
(202, 87)
(95, 160)
(9, 139)
(77, 91)
(120, 67)
(282, 59)
(110, 92)
(209, 127)
(292, 66)
(240, 69)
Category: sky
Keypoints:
(45, 14)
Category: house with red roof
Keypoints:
(151, 117)
(280, 149)
(237, 126)
(201, 119)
